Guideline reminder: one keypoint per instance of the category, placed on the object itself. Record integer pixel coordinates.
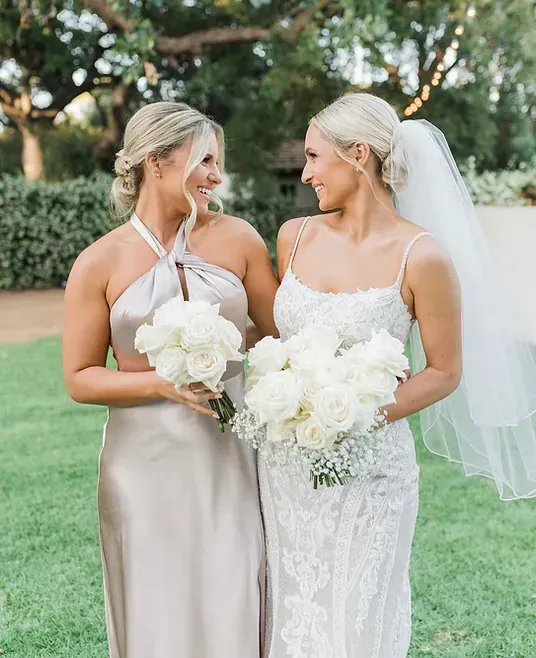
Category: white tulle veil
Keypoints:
(487, 424)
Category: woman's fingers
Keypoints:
(193, 399)
(197, 387)
(199, 397)
(202, 410)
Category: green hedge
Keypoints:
(515, 187)
(44, 226)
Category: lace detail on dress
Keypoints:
(338, 558)
(353, 314)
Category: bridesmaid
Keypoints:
(180, 527)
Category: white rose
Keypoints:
(375, 383)
(313, 435)
(281, 431)
(321, 338)
(385, 351)
(293, 344)
(176, 312)
(151, 340)
(307, 362)
(201, 308)
(366, 409)
(171, 365)
(331, 371)
(275, 397)
(171, 314)
(199, 331)
(336, 407)
(206, 365)
(356, 355)
(230, 338)
(268, 355)
(308, 394)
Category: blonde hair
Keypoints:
(160, 128)
(360, 117)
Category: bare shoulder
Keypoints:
(238, 227)
(288, 232)
(242, 235)
(429, 262)
(95, 263)
(426, 249)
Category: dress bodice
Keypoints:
(354, 315)
(205, 282)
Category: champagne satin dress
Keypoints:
(180, 527)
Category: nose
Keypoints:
(306, 174)
(215, 176)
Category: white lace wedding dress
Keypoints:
(338, 558)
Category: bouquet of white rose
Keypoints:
(190, 342)
(311, 397)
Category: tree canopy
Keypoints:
(263, 68)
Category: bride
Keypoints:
(403, 252)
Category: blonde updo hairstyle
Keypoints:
(160, 128)
(360, 117)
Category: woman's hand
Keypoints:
(192, 395)
(407, 375)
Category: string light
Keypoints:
(418, 101)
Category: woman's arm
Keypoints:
(86, 336)
(433, 282)
(261, 285)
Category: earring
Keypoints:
(156, 174)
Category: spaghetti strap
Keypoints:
(406, 256)
(295, 247)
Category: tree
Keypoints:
(49, 55)
(207, 53)
(470, 68)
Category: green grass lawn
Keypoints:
(474, 560)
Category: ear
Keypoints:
(361, 152)
(153, 165)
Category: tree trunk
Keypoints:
(32, 154)
(104, 152)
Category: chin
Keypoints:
(325, 205)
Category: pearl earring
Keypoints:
(157, 174)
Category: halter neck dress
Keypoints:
(180, 528)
